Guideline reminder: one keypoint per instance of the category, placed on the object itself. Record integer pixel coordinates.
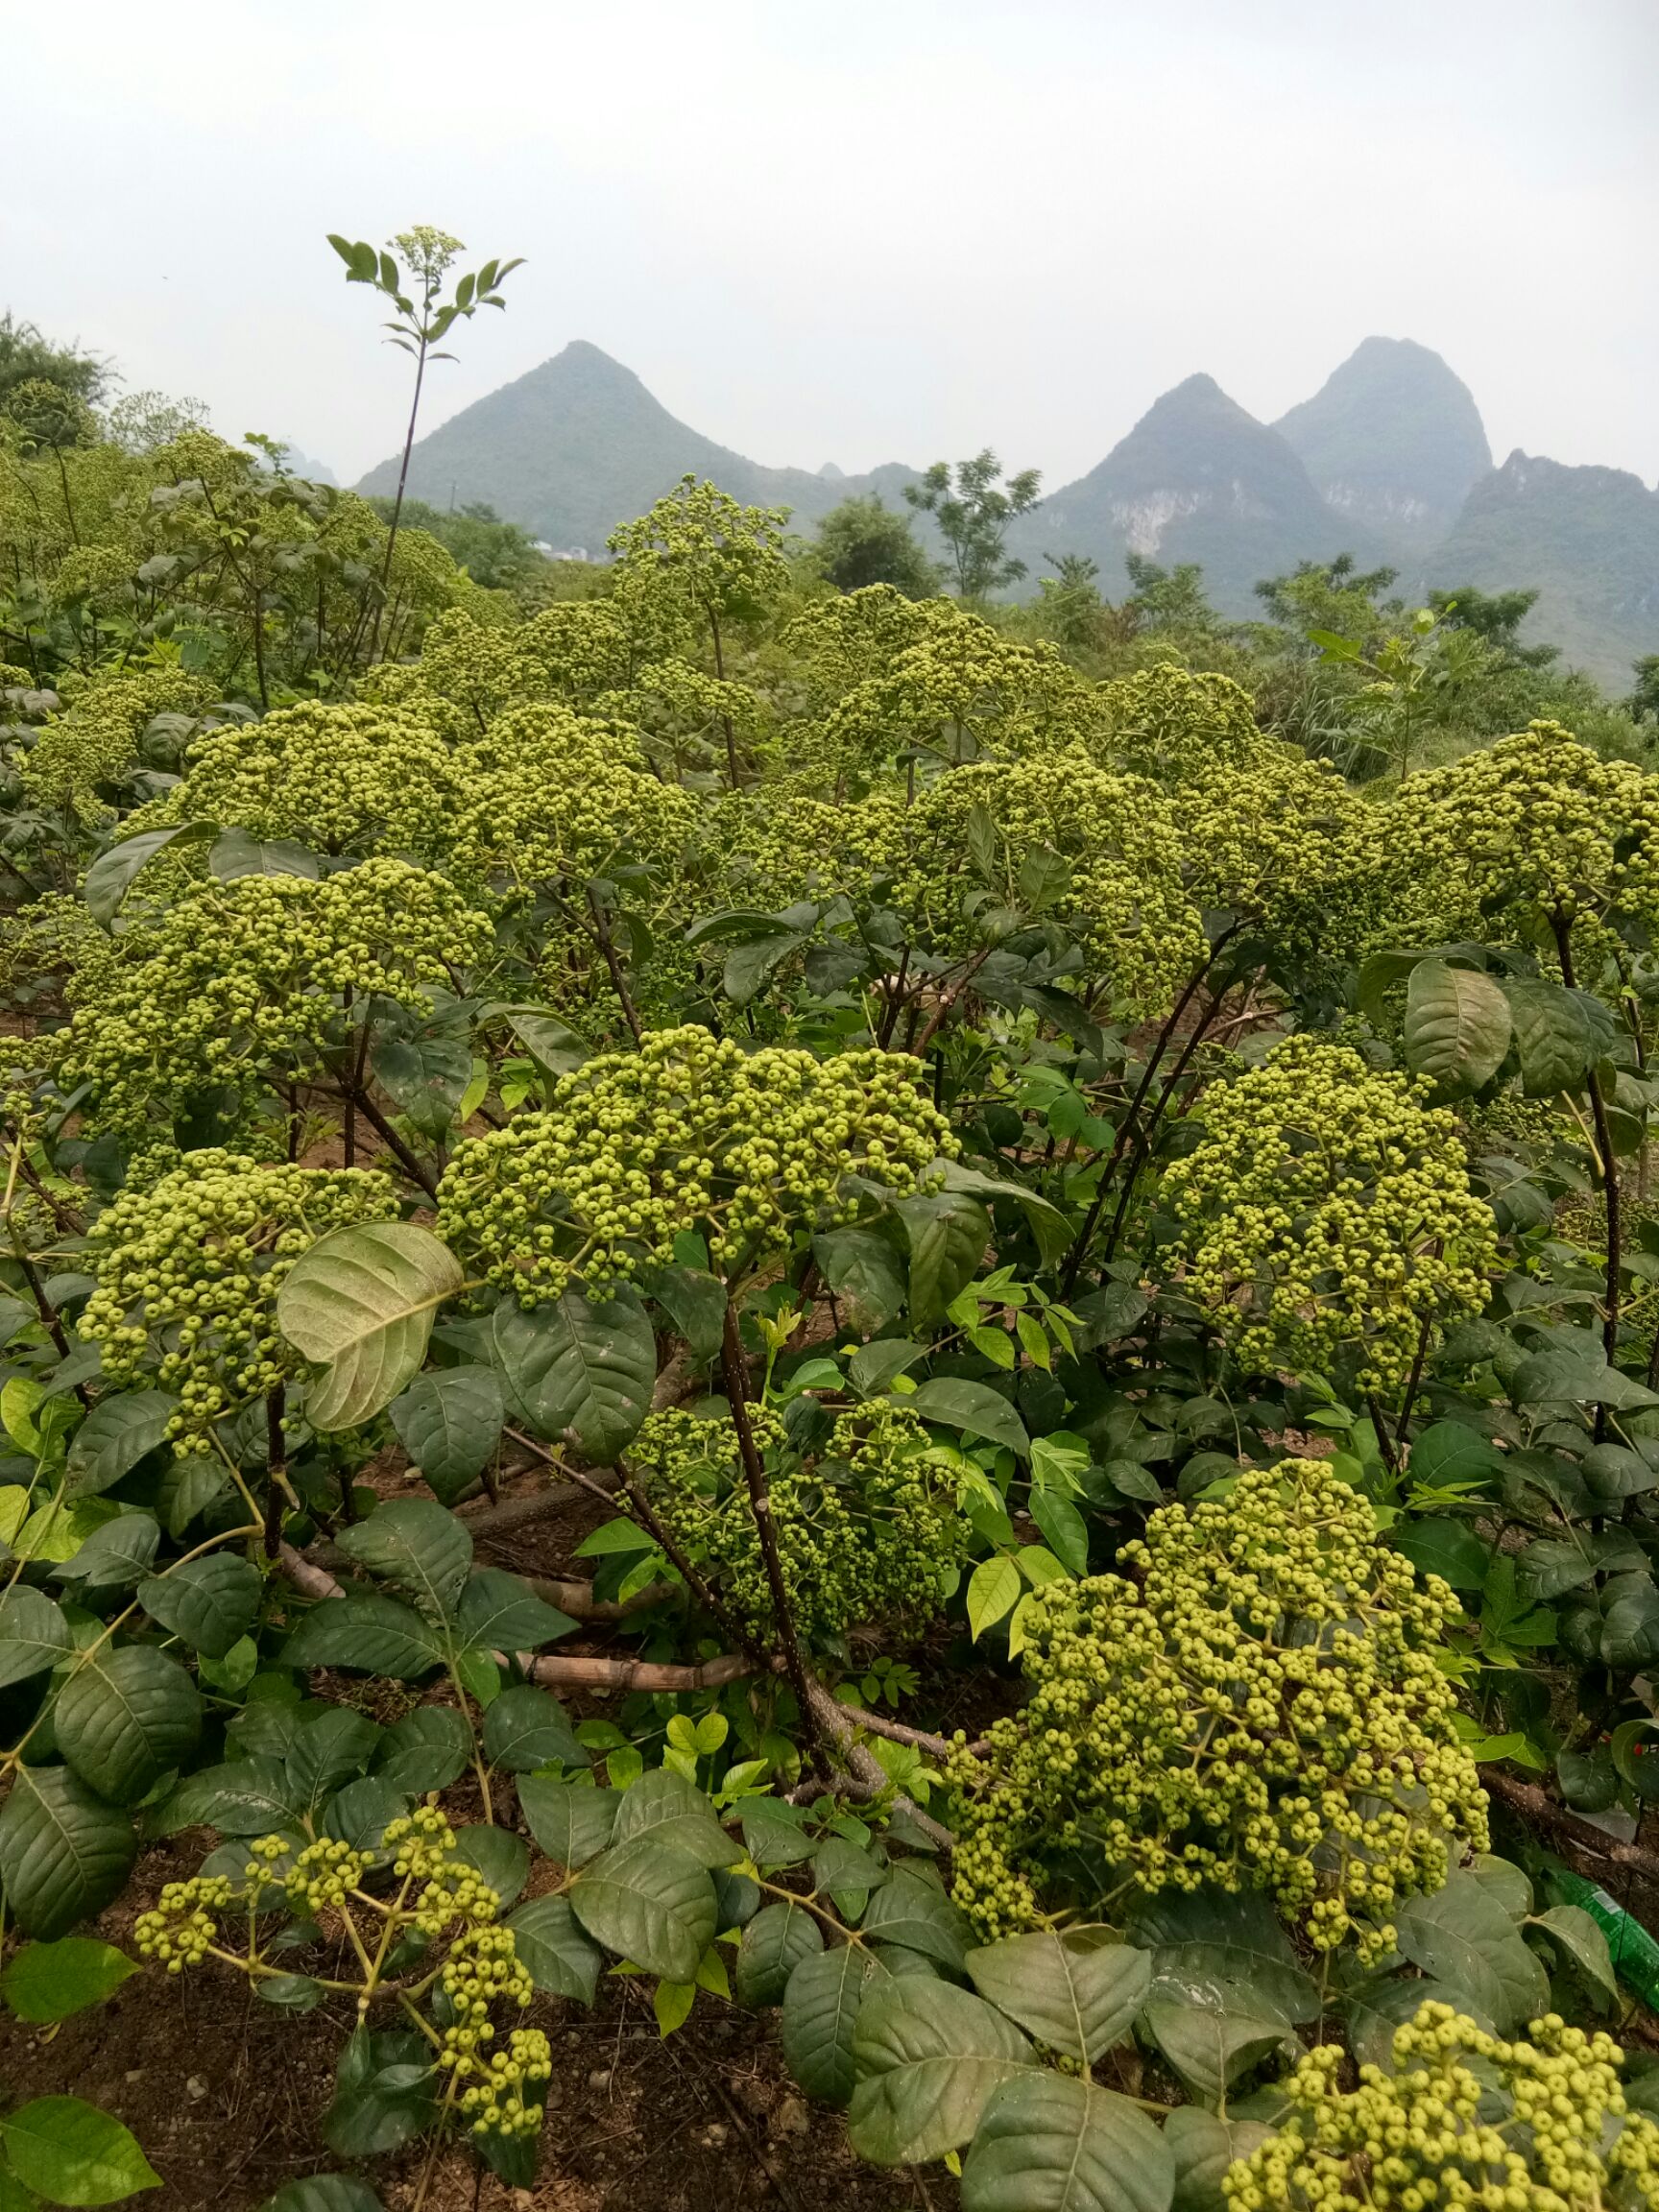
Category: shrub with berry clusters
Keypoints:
(1254, 1703)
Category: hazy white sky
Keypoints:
(854, 229)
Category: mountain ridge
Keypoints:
(1387, 460)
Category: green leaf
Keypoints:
(821, 2007)
(236, 854)
(126, 1714)
(947, 1234)
(1576, 1934)
(1076, 1992)
(1444, 1547)
(114, 1437)
(500, 1857)
(70, 2152)
(499, 1612)
(360, 1813)
(375, 1635)
(993, 1590)
(245, 1797)
(552, 1043)
(694, 1301)
(526, 1728)
(863, 1270)
(425, 1078)
(650, 1902)
(665, 1806)
(427, 1749)
(113, 874)
(928, 2058)
(775, 1942)
(909, 1910)
(1209, 2046)
(572, 1821)
(1463, 1935)
(1559, 1034)
(116, 1555)
(208, 1603)
(1048, 1225)
(360, 1304)
(560, 1959)
(1210, 1948)
(1456, 1026)
(421, 1547)
(848, 1872)
(383, 2095)
(325, 2193)
(1203, 2147)
(449, 1422)
(748, 965)
(974, 1408)
(1048, 2144)
(579, 1372)
(1507, 1882)
(34, 1634)
(46, 1982)
(1063, 1526)
(328, 1749)
(63, 1853)
(1448, 1451)
(774, 1834)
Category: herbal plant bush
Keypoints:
(1098, 1266)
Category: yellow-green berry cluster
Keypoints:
(188, 1272)
(1259, 1709)
(180, 1927)
(482, 1969)
(1465, 2120)
(1178, 725)
(866, 1529)
(1126, 900)
(424, 1849)
(334, 777)
(689, 1133)
(324, 1875)
(1327, 1216)
(1535, 826)
(238, 978)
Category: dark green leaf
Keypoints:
(449, 1423)
(665, 1806)
(974, 1408)
(208, 1603)
(775, 1942)
(428, 1750)
(34, 1634)
(1456, 1026)
(375, 1635)
(127, 1715)
(1463, 1935)
(500, 1613)
(64, 1854)
(649, 1903)
(560, 1959)
(111, 875)
(911, 1912)
(421, 1547)
(928, 2058)
(1048, 2144)
(501, 1858)
(820, 2013)
(572, 1821)
(114, 1437)
(1441, 1545)
(1076, 1992)
(526, 1728)
(947, 1235)
(579, 1371)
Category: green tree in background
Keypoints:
(862, 541)
(1496, 617)
(1167, 598)
(26, 357)
(498, 555)
(974, 510)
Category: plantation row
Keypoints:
(1020, 1197)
